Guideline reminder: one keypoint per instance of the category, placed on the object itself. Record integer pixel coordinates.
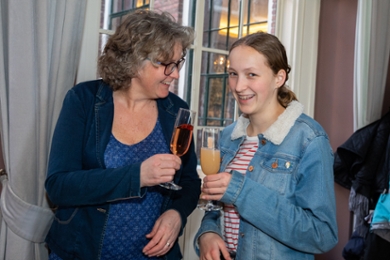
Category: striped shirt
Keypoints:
(240, 164)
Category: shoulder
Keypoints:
(95, 91)
(309, 125)
(228, 130)
(307, 131)
(93, 87)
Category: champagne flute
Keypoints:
(210, 160)
(181, 138)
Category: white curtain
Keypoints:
(372, 49)
(39, 52)
(297, 26)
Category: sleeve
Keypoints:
(75, 175)
(211, 222)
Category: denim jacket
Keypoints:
(81, 187)
(286, 199)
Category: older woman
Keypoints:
(110, 150)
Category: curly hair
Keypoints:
(275, 53)
(143, 34)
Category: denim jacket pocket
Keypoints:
(275, 173)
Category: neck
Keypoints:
(132, 101)
(260, 123)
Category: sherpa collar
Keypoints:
(278, 130)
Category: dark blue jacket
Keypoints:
(81, 187)
(360, 161)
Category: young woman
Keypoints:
(276, 174)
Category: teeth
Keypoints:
(245, 97)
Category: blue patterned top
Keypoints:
(130, 220)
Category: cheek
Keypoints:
(265, 87)
(232, 83)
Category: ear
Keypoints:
(280, 78)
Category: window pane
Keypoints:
(213, 101)
(221, 23)
(113, 11)
(216, 104)
(115, 22)
(221, 27)
(116, 6)
(140, 3)
(218, 63)
(121, 5)
(174, 7)
(229, 107)
(255, 17)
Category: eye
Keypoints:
(232, 74)
(251, 75)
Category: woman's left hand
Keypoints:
(164, 234)
(215, 185)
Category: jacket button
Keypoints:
(250, 168)
(274, 165)
(242, 234)
(263, 141)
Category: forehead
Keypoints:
(177, 51)
(246, 55)
(242, 50)
(175, 54)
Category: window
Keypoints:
(203, 81)
(221, 28)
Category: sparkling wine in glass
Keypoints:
(210, 160)
(181, 138)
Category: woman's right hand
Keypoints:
(211, 247)
(159, 168)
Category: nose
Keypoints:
(239, 84)
(175, 74)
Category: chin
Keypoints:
(163, 94)
(245, 109)
(249, 112)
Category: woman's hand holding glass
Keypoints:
(215, 186)
(181, 138)
(159, 168)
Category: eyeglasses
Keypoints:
(170, 67)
